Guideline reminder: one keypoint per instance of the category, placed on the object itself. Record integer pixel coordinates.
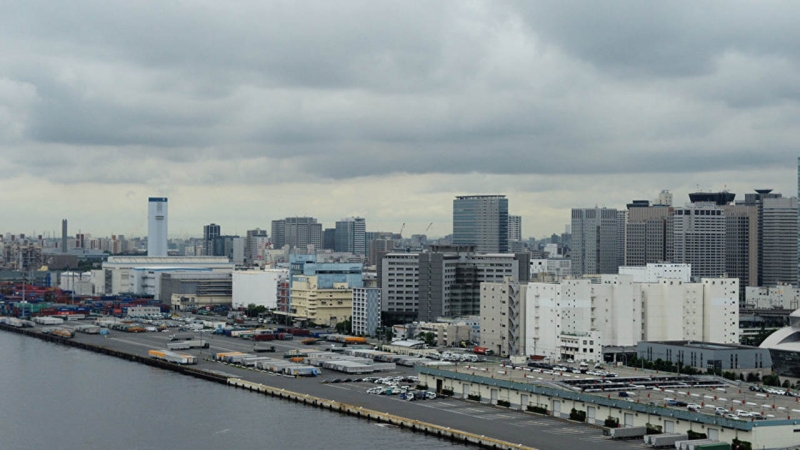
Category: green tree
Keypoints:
(428, 337)
(772, 380)
(254, 310)
(345, 326)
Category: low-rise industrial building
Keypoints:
(649, 400)
(707, 355)
(117, 274)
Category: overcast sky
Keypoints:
(244, 112)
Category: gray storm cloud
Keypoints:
(267, 93)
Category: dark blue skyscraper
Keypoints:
(482, 221)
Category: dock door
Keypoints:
(493, 394)
(556, 408)
(591, 412)
(669, 426)
(523, 402)
(438, 386)
(628, 420)
(465, 390)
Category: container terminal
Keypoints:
(519, 406)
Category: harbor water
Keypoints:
(53, 396)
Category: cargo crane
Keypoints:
(402, 227)
(429, 227)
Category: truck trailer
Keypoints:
(172, 357)
(186, 345)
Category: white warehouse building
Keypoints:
(259, 287)
(118, 273)
(574, 319)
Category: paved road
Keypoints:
(532, 430)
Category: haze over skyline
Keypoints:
(246, 112)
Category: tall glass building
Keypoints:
(482, 221)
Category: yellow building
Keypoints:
(318, 305)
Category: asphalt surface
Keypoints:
(517, 427)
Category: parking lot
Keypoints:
(702, 394)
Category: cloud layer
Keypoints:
(249, 111)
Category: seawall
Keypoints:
(318, 402)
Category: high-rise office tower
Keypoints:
(777, 232)
(595, 241)
(514, 228)
(450, 278)
(157, 226)
(696, 236)
(64, 236)
(296, 232)
(741, 244)
(210, 232)
(351, 236)
(644, 233)
(255, 239)
(329, 239)
(482, 221)
(278, 234)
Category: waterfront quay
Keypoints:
(497, 427)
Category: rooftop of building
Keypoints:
(167, 259)
(463, 197)
(702, 345)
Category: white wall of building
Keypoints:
(543, 320)
(671, 309)
(654, 272)
(79, 283)
(259, 287)
(558, 267)
(774, 297)
(721, 310)
(616, 311)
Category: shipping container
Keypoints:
(177, 358)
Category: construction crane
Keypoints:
(402, 227)
(429, 227)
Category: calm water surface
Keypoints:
(55, 397)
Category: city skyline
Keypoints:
(198, 233)
(386, 113)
